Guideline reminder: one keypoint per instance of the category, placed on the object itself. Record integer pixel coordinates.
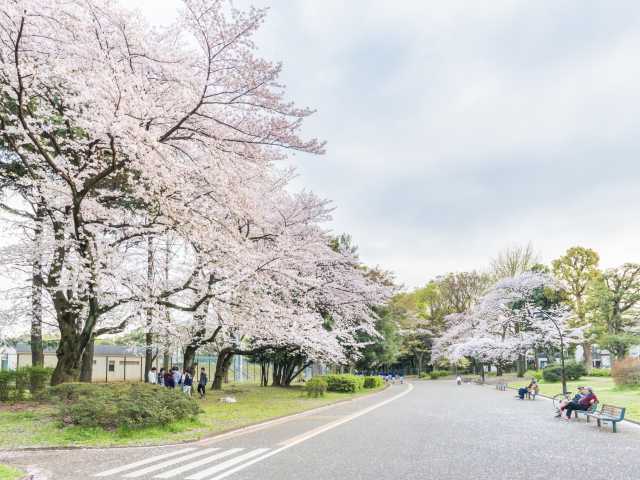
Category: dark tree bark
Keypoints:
(37, 349)
(223, 362)
(148, 338)
(86, 367)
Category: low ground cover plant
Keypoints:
(345, 383)
(573, 371)
(373, 381)
(113, 406)
(316, 387)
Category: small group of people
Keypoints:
(583, 400)
(174, 378)
(532, 389)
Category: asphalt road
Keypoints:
(430, 430)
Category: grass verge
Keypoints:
(605, 389)
(10, 473)
(34, 425)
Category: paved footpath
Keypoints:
(428, 430)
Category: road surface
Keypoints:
(428, 430)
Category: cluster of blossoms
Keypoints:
(509, 321)
(147, 157)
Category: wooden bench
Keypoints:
(592, 409)
(501, 386)
(608, 414)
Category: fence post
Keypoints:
(125, 367)
(106, 370)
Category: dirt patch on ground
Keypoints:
(20, 407)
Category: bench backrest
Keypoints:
(612, 411)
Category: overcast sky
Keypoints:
(458, 128)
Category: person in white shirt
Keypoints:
(152, 376)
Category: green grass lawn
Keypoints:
(34, 425)
(10, 473)
(604, 388)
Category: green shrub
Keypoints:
(344, 383)
(39, 378)
(7, 382)
(600, 372)
(435, 374)
(373, 382)
(22, 384)
(423, 375)
(537, 374)
(124, 405)
(626, 371)
(553, 373)
(316, 387)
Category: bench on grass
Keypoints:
(501, 386)
(608, 414)
(592, 409)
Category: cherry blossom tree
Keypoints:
(110, 121)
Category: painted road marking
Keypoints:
(306, 436)
(229, 463)
(168, 463)
(204, 461)
(146, 461)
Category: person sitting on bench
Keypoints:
(582, 391)
(583, 404)
(524, 390)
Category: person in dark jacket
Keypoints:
(583, 404)
(202, 383)
(169, 382)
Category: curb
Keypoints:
(209, 438)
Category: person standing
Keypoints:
(177, 377)
(152, 376)
(161, 377)
(187, 383)
(169, 382)
(202, 383)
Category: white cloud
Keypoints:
(457, 128)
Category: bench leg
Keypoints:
(599, 423)
(614, 426)
(588, 417)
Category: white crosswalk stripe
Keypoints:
(146, 461)
(199, 463)
(174, 463)
(168, 463)
(229, 463)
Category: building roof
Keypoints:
(99, 350)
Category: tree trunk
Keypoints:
(522, 366)
(148, 338)
(264, 374)
(587, 356)
(188, 360)
(69, 355)
(86, 367)
(37, 350)
(498, 369)
(166, 360)
(223, 362)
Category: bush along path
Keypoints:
(140, 414)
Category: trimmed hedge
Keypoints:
(344, 383)
(435, 374)
(600, 372)
(537, 374)
(122, 405)
(16, 384)
(316, 387)
(373, 382)
(573, 371)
